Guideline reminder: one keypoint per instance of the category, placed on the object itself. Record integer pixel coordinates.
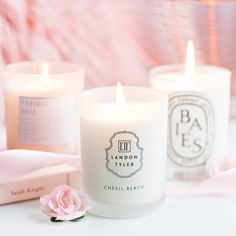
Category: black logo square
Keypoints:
(124, 146)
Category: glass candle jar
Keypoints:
(123, 148)
(41, 100)
(198, 117)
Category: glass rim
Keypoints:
(163, 69)
(16, 69)
(94, 95)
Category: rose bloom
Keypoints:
(65, 203)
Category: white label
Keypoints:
(124, 156)
(47, 121)
(191, 128)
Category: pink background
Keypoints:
(116, 40)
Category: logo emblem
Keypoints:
(191, 129)
(124, 156)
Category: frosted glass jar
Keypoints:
(123, 150)
(198, 117)
(41, 100)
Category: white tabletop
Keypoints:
(185, 216)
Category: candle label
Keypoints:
(124, 156)
(191, 128)
(46, 121)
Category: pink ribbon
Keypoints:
(222, 182)
(18, 163)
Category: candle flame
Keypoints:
(190, 70)
(120, 98)
(44, 75)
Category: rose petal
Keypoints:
(58, 189)
(56, 192)
(53, 204)
(77, 201)
(44, 199)
(49, 212)
(69, 210)
(69, 201)
(65, 199)
(85, 200)
(72, 216)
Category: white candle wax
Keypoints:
(42, 109)
(198, 117)
(124, 150)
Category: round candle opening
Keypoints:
(44, 76)
(175, 75)
(133, 95)
(34, 69)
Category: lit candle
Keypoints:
(199, 98)
(42, 105)
(123, 149)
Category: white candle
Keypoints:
(123, 145)
(42, 105)
(199, 100)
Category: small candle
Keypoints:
(42, 105)
(123, 150)
(199, 98)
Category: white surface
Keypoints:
(180, 217)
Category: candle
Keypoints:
(42, 105)
(123, 150)
(199, 99)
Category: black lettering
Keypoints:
(185, 118)
(197, 145)
(195, 124)
(185, 140)
(177, 129)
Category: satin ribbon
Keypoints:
(221, 182)
(18, 163)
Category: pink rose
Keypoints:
(65, 203)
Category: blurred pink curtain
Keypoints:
(117, 40)
(81, 31)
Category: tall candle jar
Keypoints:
(41, 100)
(123, 148)
(198, 117)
